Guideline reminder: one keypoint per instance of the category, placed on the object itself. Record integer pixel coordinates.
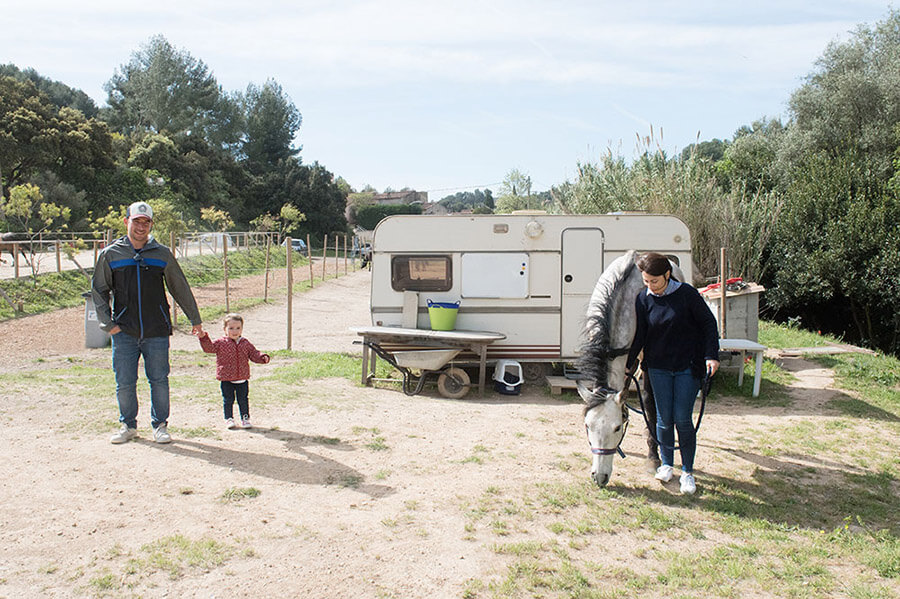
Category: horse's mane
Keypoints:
(593, 362)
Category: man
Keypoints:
(137, 269)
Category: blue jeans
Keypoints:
(675, 393)
(126, 350)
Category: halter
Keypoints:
(612, 450)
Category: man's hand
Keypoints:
(197, 329)
(116, 329)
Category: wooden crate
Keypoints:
(741, 311)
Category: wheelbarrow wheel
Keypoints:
(453, 383)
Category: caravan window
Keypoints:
(421, 273)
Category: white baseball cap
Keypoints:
(140, 209)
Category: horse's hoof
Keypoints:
(651, 464)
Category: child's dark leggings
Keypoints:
(239, 391)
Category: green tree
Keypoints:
(836, 248)
(27, 211)
(272, 121)
(37, 136)
(852, 98)
(219, 220)
(166, 90)
(751, 160)
(59, 94)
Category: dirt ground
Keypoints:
(362, 492)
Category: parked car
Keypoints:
(216, 241)
(298, 245)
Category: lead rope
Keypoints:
(704, 392)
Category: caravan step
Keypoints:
(558, 383)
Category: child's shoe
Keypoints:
(229, 424)
(245, 422)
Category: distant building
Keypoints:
(400, 197)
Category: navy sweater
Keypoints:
(676, 331)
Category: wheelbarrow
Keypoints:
(452, 383)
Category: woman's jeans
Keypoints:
(239, 391)
(126, 350)
(675, 393)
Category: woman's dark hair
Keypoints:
(654, 264)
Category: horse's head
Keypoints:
(605, 419)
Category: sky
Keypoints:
(451, 96)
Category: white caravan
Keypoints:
(529, 276)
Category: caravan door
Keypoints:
(582, 265)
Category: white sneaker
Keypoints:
(688, 486)
(664, 473)
(229, 424)
(161, 434)
(124, 435)
(245, 423)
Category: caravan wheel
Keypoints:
(536, 372)
(453, 383)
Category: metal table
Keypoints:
(475, 341)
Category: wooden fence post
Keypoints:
(309, 259)
(289, 248)
(722, 310)
(324, 256)
(225, 238)
(172, 246)
(268, 249)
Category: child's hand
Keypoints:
(266, 358)
(202, 334)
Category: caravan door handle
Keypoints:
(567, 278)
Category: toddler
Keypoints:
(233, 354)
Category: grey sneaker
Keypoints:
(664, 473)
(161, 434)
(124, 435)
(229, 424)
(688, 486)
(245, 422)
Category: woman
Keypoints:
(678, 334)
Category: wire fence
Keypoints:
(223, 267)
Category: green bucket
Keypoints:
(442, 315)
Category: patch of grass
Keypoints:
(197, 432)
(782, 337)
(377, 444)
(240, 493)
(875, 378)
(479, 453)
(51, 291)
(176, 553)
(103, 582)
(320, 365)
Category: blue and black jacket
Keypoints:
(137, 281)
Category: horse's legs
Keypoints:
(653, 462)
